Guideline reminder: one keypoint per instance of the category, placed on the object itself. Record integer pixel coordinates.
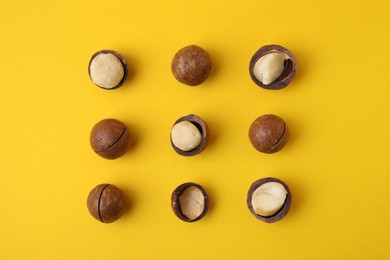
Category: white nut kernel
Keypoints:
(192, 202)
(106, 70)
(269, 198)
(186, 136)
(269, 67)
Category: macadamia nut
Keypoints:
(106, 203)
(109, 138)
(106, 70)
(268, 133)
(269, 67)
(191, 65)
(192, 202)
(269, 198)
(186, 136)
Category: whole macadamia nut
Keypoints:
(109, 138)
(108, 69)
(189, 135)
(269, 133)
(269, 199)
(272, 67)
(106, 203)
(191, 65)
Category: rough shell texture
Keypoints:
(175, 202)
(269, 133)
(120, 57)
(203, 128)
(106, 203)
(278, 215)
(290, 67)
(191, 65)
(109, 138)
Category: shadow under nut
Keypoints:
(106, 203)
(269, 133)
(109, 138)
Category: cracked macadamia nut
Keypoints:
(272, 67)
(191, 65)
(106, 203)
(108, 69)
(189, 202)
(269, 133)
(109, 138)
(189, 135)
(269, 199)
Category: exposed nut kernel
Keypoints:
(272, 67)
(268, 198)
(107, 69)
(192, 202)
(269, 67)
(186, 136)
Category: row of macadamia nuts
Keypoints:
(271, 67)
(109, 138)
(268, 199)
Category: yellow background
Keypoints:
(337, 109)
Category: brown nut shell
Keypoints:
(202, 127)
(288, 74)
(106, 203)
(175, 201)
(122, 60)
(191, 65)
(281, 213)
(269, 133)
(109, 138)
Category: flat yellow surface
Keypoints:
(337, 109)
